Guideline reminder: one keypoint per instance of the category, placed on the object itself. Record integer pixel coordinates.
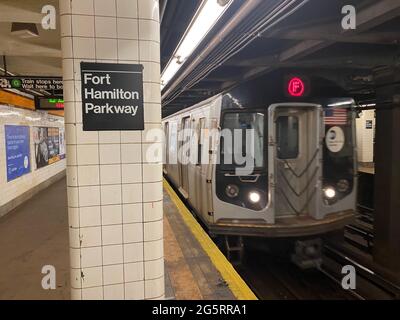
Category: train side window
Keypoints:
(287, 137)
(200, 135)
(166, 148)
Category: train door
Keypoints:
(185, 156)
(295, 151)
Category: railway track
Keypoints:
(276, 277)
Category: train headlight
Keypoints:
(254, 197)
(329, 192)
(232, 190)
(343, 185)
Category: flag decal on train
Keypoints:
(335, 116)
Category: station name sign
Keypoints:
(31, 83)
(112, 96)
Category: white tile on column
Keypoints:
(87, 154)
(74, 240)
(152, 172)
(84, 47)
(69, 112)
(110, 154)
(91, 257)
(113, 274)
(90, 237)
(111, 215)
(68, 66)
(127, 28)
(110, 194)
(154, 288)
(66, 47)
(110, 174)
(113, 255)
(106, 27)
(131, 153)
(109, 137)
(92, 293)
(82, 7)
(149, 51)
(72, 156)
(153, 250)
(153, 211)
(73, 217)
(131, 173)
(154, 269)
(83, 26)
(92, 277)
(152, 93)
(131, 193)
(133, 271)
(89, 196)
(152, 152)
(114, 292)
(127, 8)
(153, 230)
(132, 213)
(86, 137)
(112, 235)
(149, 30)
(65, 7)
(151, 72)
(133, 252)
(128, 50)
(152, 191)
(73, 197)
(105, 7)
(148, 9)
(90, 216)
(75, 277)
(134, 290)
(72, 176)
(106, 48)
(88, 175)
(131, 137)
(133, 232)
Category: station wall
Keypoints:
(15, 188)
(365, 136)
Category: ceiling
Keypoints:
(303, 34)
(35, 56)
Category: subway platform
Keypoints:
(36, 233)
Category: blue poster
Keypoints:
(17, 151)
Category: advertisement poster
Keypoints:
(17, 151)
(62, 143)
(47, 146)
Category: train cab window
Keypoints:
(236, 145)
(287, 137)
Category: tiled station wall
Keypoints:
(365, 137)
(9, 191)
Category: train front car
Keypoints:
(299, 181)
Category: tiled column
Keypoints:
(114, 190)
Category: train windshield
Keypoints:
(242, 140)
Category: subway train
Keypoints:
(300, 180)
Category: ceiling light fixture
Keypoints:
(209, 12)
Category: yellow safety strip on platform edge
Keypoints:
(235, 282)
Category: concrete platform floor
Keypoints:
(36, 234)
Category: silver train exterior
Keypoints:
(304, 182)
